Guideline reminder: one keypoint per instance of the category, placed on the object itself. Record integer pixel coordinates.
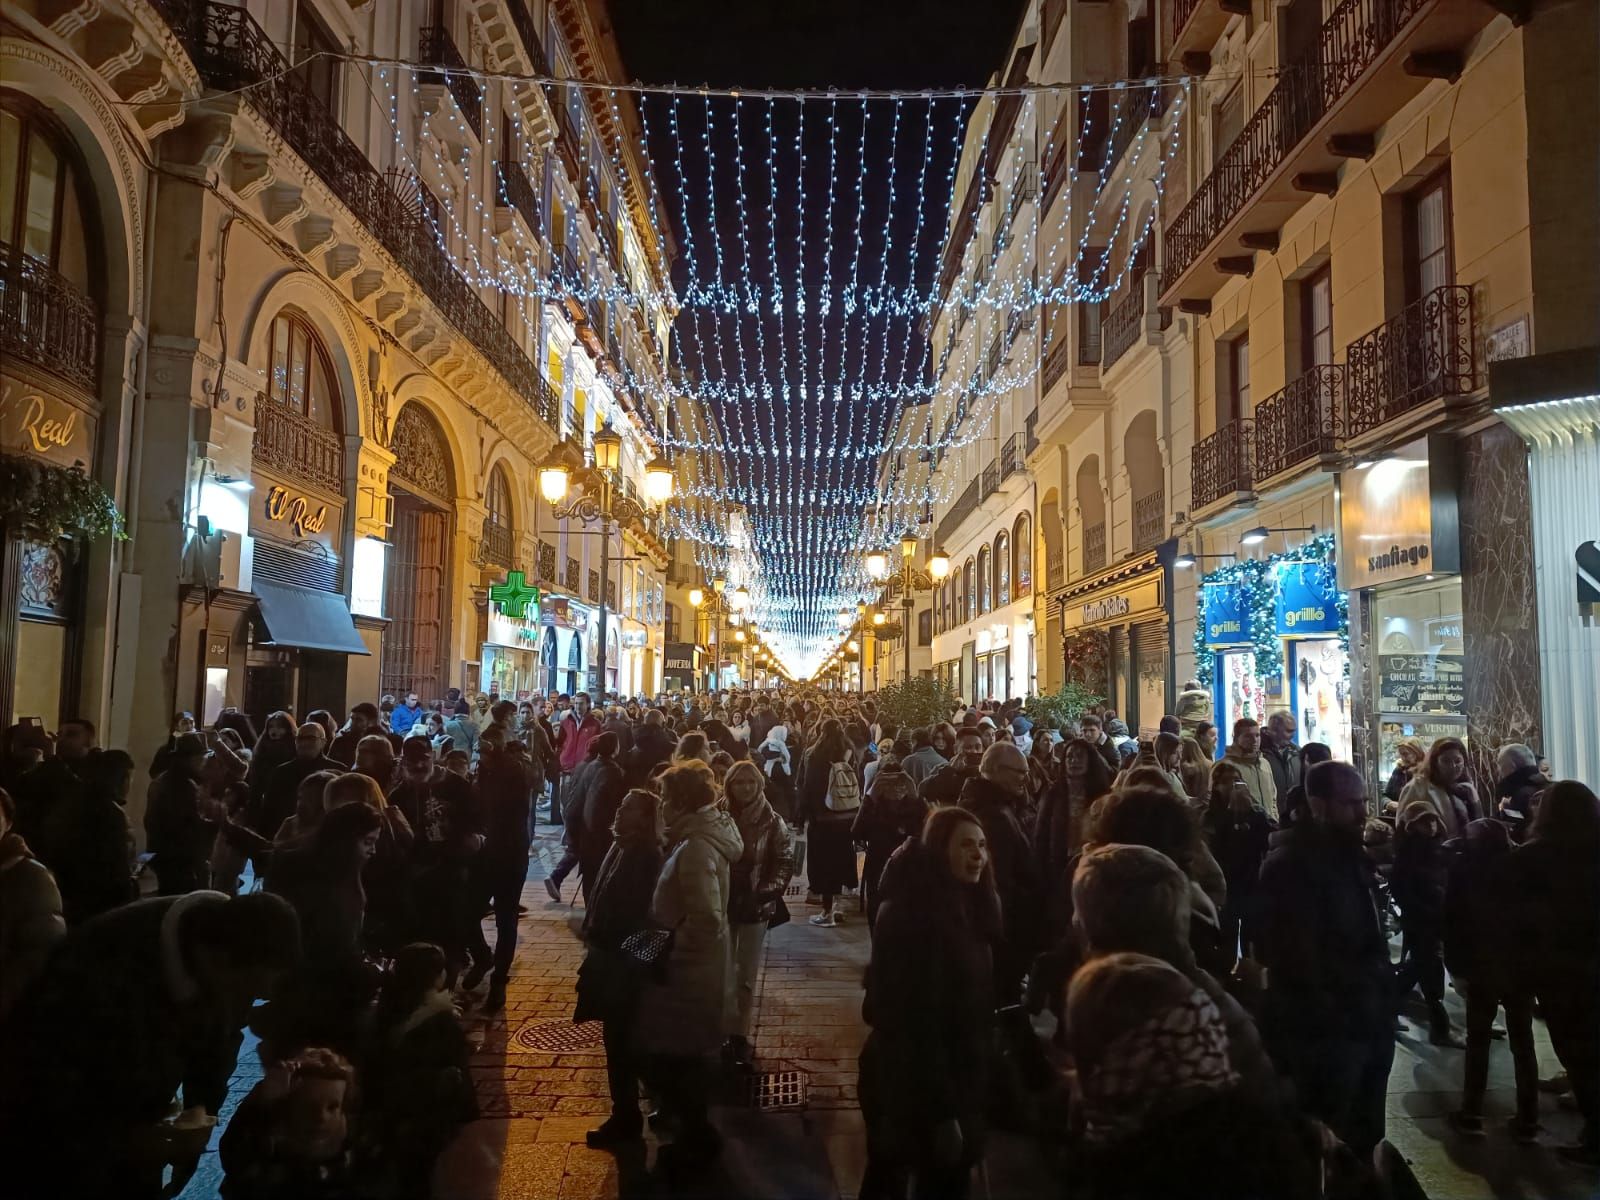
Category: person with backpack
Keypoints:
(829, 795)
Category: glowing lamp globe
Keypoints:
(658, 481)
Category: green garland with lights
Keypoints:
(1256, 578)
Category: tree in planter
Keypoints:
(913, 703)
(1059, 709)
(44, 502)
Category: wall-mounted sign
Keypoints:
(1587, 560)
(513, 594)
(304, 515)
(678, 656)
(1111, 605)
(1307, 604)
(1421, 683)
(1227, 615)
(1397, 517)
(217, 646)
(45, 427)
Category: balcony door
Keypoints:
(1316, 311)
(1430, 254)
(315, 56)
(416, 643)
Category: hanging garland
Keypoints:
(47, 502)
(1257, 580)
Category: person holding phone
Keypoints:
(1237, 832)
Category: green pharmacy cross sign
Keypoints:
(514, 595)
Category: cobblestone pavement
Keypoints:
(538, 1103)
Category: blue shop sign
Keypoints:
(1308, 599)
(1227, 615)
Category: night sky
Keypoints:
(800, 461)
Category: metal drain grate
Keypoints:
(794, 889)
(558, 1037)
(779, 1087)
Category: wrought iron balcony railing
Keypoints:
(516, 191)
(963, 508)
(1123, 324)
(1094, 548)
(991, 480)
(292, 444)
(46, 320)
(1014, 455)
(436, 48)
(1350, 41)
(1145, 102)
(1422, 353)
(1056, 361)
(232, 53)
(1054, 571)
(532, 45)
(1297, 423)
(496, 542)
(1149, 520)
(1221, 464)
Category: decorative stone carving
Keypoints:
(421, 454)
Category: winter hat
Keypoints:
(1143, 1036)
(1117, 728)
(416, 749)
(1131, 898)
(1415, 811)
(188, 745)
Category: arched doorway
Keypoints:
(575, 680)
(547, 660)
(423, 487)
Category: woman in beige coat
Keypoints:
(684, 1014)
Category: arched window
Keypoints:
(969, 603)
(1022, 556)
(1002, 570)
(301, 374)
(41, 192)
(497, 498)
(985, 592)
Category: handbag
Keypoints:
(648, 948)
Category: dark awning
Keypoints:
(309, 619)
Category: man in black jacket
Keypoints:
(443, 811)
(283, 785)
(1095, 735)
(945, 785)
(505, 787)
(1328, 1014)
(653, 744)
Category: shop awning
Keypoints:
(307, 618)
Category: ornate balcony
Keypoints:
(1370, 58)
(1423, 353)
(496, 543)
(1144, 104)
(1221, 465)
(1053, 572)
(436, 48)
(1149, 520)
(1014, 456)
(1123, 324)
(46, 321)
(991, 480)
(1094, 548)
(516, 192)
(1056, 361)
(293, 445)
(233, 54)
(963, 508)
(1298, 422)
(1196, 24)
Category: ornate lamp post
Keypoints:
(721, 603)
(600, 502)
(908, 580)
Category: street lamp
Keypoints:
(601, 503)
(878, 565)
(912, 579)
(719, 604)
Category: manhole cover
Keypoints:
(558, 1037)
(776, 1087)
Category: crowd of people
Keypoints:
(1174, 962)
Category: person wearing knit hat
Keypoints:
(1419, 879)
(1163, 1111)
(178, 829)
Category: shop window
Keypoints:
(301, 375)
(1429, 253)
(1417, 636)
(41, 198)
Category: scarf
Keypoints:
(1174, 1054)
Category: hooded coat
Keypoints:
(930, 1002)
(687, 1012)
(764, 869)
(1015, 872)
(890, 812)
